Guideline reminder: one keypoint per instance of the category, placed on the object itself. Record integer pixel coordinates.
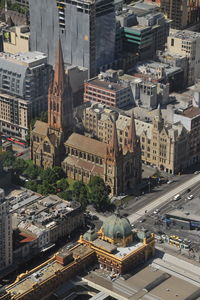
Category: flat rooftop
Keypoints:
(44, 272)
(106, 84)
(191, 112)
(188, 211)
(184, 34)
(27, 57)
(149, 283)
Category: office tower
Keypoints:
(24, 83)
(183, 13)
(186, 43)
(86, 29)
(5, 233)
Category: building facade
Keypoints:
(186, 43)
(119, 167)
(47, 139)
(24, 82)
(16, 39)
(182, 13)
(6, 251)
(163, 145)
(190, 118)
(84, 27)
(109, 93)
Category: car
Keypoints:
(196, 172)
(142, 220)
(177, 197)
(19, 154)
(170, 181)
(156, 211)
(190, 197)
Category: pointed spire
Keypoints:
(59, 75)
(159, 112)
(114, 142)
(132, 138)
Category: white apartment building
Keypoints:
(6, 251)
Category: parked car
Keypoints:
(170, 181)
(196, 172)
(177, 197)
(190, 197)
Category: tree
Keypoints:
(7, 158)
(98, 193)
(52, 175)
(45, 188)
(32, 171)
(80, 194)
(19, 166)
(62, 184)
(31, 185)
(66, 195)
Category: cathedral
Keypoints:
(55, 144)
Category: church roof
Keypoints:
(40, 128)
(82, 164)
(87, 144)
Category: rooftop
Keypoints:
(24, 58)
(191, 112)
(44, 272)
(184, 34)
(86, 144)
(106, 84)
(147, 284)
(188, 211)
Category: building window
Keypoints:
(46, 147)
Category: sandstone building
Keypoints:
(53, 143)
(163, 145)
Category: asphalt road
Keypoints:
(154, 222)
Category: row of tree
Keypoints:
(54, 181)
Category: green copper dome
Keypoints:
(116, 227)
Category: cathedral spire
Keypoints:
(59, 75)
(132, 138)
(60, 102)
(114, 142)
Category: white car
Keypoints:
(170, 181)
(196, 172)
(177, 197)
(156, 211)
(190, 197)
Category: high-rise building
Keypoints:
(183, 13)
(186, 43)
(24, 83)
(5, 233)
(86, 29)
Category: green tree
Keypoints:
(19, 166)
(7, 158)
(62, 184)
(66, 195)
(98, 193)
(46, 188)
(80, 194)
(32, 171)
(31, 185)
(51, 175)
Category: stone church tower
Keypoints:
(47, 139)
